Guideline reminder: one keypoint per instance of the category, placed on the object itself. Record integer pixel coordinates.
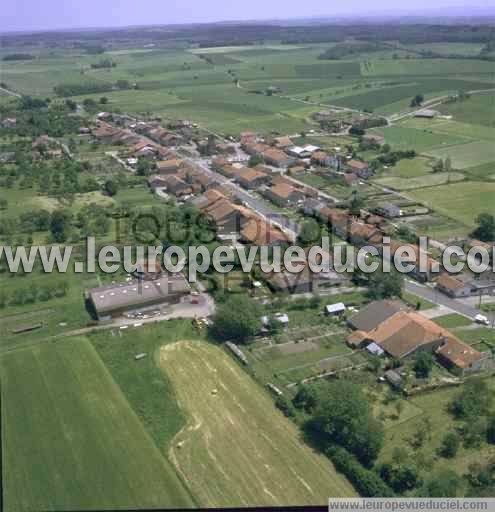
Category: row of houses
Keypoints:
(278, 189)
(285, 154)
(183, 181)
(401, 333)
(373, 231)
(234, 220)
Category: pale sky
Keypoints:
(59, 14)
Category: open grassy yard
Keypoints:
(452, 321)
(71, 440)
(462, 202)
(410, 168)
(432, 407)
(237, 449)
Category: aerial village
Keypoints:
(250, 189)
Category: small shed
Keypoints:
(335, 309)
(375, 349)
(394, 379)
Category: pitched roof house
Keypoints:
(284, 194)
(260, 232)
(372, 315)
(251, 178)
(169, 166)
(277, 158)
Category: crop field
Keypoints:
(237, 449)
(70, 439)
(466, 155)
(431, 67)
(478, 109)
(468, 49)
(462, 202)
(485, 171)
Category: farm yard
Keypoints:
(250, 454)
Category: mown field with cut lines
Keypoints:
(237, 449)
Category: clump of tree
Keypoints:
(423, 365)
(366, 481)
(110, 187)
(77, 89)
(392, 157)
(381, 285)
(473, 401)
(255, 160)
(33, 293)
(104, 64)
(18, 56)
(342, 416)
(60, 225)
(450, 445)
(30, 103)
(238, 319)
(93, 49)
(402, 472)
(444, 484)
(417, 101)
(341, 50)
(485, 230)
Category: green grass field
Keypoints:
(71, 440)
(478, 109)
(428, 180)
(249, 453)
(410, 168)
(462, 202)
(466, 155)
(401, 136)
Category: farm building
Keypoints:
(371, 316)
(115, 299)
(426, 113)
(389, 210)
